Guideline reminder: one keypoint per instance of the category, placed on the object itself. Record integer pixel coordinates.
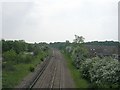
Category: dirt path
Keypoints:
(56, 74)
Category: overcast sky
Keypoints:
(59, 20)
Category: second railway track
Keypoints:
(52, 73)
(51, 76)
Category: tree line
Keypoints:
(100, 72)
(18, 51)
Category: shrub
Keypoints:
(42, 59)
(28, 58)
(31, 69)
(79, 54)
(10, 56)
(102, 72)
(8, 66)
(84, 68)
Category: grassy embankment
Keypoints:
(12, 78)
(79, 81)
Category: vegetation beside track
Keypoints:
(19, 59)
(77, 77)
(90, 71)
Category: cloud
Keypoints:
(13, 15)
(58, 20)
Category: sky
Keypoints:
(59, 20)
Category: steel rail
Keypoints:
(43, 67)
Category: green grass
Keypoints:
(79, 81)
(12, 78)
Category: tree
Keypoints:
(79, 51)
(79, 39)
(10, 56)
(19, 46)
(103, 72)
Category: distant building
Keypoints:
(102, 51)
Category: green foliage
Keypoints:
(0, 48)
(58, 45)
(12, 77)
(28, 58)
(9, 56)
(19, 59)
(77, 77)
(36, 50)
(42, 59)
(31, 68)
(8, 66)
(79, 39)
(101, 72)
(30, 47)
(104, 43)
(79, 52)
(17, 46)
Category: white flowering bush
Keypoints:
(79, 54)
(102, 72)
(84, 68)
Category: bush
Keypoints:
(79, 54)
(28, 58)
(102, 72)
(31, 69)
(8, 66)
(42, 59)
(10, 56)
(85, 67)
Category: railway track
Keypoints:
(45, 79)
(43, 67)
(48, 78)
(46, 73)
(52, 74)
